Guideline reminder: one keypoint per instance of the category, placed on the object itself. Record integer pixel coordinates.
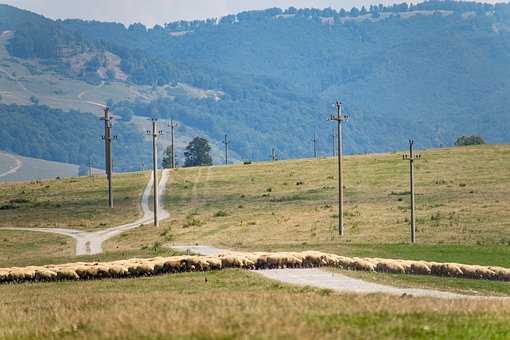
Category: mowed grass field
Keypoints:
(234, 304)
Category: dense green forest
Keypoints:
(70, 137)
(432, 71)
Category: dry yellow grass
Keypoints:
(78, 203)
(234, 304)
(463, 198)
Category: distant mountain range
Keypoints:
(431, 71)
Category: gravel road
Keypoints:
(90, 243)
(318, 278)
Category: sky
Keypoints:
(152, 12)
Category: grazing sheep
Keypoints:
(390, 266)
(363, 265)
(66, 274)
(446, 269)
(43, 274)
(420, 268)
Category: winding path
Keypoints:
(90, 243)
(318, 278)
(18, 165)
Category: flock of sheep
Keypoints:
(252, 261)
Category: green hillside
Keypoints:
(432, 71)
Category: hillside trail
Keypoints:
(11, 171)
(315, 277)
(90, 243)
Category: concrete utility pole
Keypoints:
(173, 126)
(411, 158)
(226, 142)
(90, 166)
(108, 152)
(273, 155)
(339, 118)
(314, 140)
(155, 134)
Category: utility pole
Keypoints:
(155, 134)
(411, 157)
(226, 142)
(333, 144)
(273, 155)
(173, 126)
(108, 152)
(90, 166)
(314, 140)
(340, 118)
(142, 164)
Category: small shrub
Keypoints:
(220, 213)
(156, 247)
(19, 201)
(192, 221)
(269, 189)
(299, 183)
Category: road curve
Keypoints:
(90, 243)
(315, 277)
(18, 161)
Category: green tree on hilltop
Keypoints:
(198, 153)
(469, 140)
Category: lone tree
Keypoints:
(469, 140)
(198, 153)
(167, 158)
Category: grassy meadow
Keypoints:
(463, 196)
(463, 207)
(234, 304)
(77, 203)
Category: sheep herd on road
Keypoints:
(250, 261)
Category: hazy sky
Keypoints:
(151, 12)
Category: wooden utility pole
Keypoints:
(273, 155)
(340, 118)
(173, 126)
(155, 134)
(226, 142)
(411, 157)
(108, 152)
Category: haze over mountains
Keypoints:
(431, 71)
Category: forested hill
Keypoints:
(431, 71)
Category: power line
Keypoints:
(226, 142)
(155, 135)
(340, 118)
(411, 157)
